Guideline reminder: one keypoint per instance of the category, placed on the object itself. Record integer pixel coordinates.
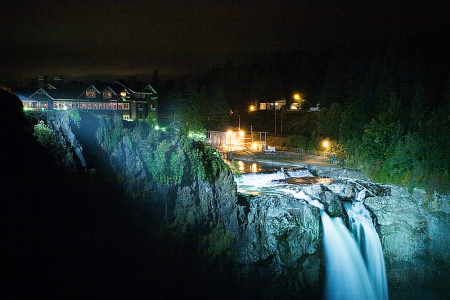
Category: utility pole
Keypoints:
(281, 122)
(275, 113)
(265, 138)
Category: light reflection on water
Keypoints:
(254, 167)
(259, 190)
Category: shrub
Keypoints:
(75, 117)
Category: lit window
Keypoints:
(90, 94)
(124, 106)
(107, 95)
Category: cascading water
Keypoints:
(354, 260)
(260, 179)
(355, 266)
(369, 244)
(346, 272)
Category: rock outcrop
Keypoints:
(415, 235)
(279, 250)
(199, 237)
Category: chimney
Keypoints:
(58, 80)
(43, 80)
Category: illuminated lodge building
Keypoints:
(101, 98)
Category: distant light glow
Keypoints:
(241, 133)
(326, 143)
(157, 127)
(254, 168)
(241, 166)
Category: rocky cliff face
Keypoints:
(415, 234)
(279, 250)
(256, 247)
(203, 234)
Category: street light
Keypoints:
(297, 101)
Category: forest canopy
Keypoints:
(384, 106)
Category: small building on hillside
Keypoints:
(316, 108)
(227, 140)
(277, 104)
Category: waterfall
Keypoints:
(354, 261)
(369, 244)
(346, 272)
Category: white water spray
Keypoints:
(355, 267)
(346, 272)
(264, 179)
(369, 244)
(259, 179)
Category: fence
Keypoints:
(303, 151)
(328, 154)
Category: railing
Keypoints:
(247, 147)
(303, 151)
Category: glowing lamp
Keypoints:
(326, 144)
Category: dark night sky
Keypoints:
(96, 38)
